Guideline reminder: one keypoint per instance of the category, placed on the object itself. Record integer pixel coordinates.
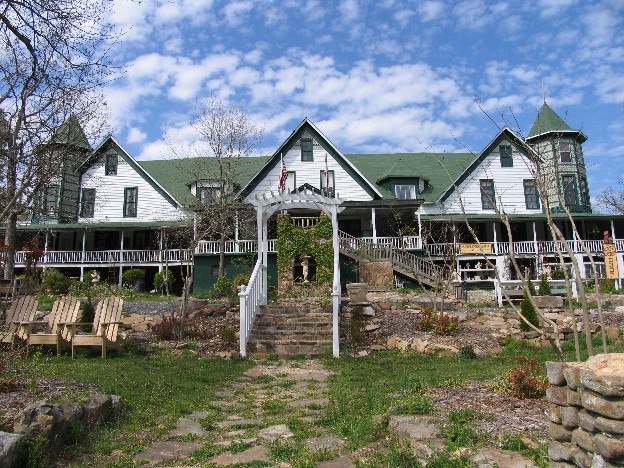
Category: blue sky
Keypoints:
(374, 76)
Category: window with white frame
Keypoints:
(291, 182)
(209, 191)
(487, 194)
(506, 156)
(405, 191)
(531, 197)
(328, 184)
(130, 202)
(87, 203)
(307, 149)
(565, 152)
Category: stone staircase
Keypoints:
(291, 329)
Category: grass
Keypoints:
(157, 391)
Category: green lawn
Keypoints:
(160, 388)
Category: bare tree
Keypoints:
(53, 59)
(612, 199)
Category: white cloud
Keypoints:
(550, 8)
(236, 12)
(349, 10)
(135, 135)
(431, 10)
(472, 14)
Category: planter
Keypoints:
(357, 291)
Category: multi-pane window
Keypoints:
(87, 203)
(111, 164)
(49, 200)
(487, 194)
(506, 159)
(328, 185)
(130, 202)
(584, 191)
(405, 192)
(307, 153)
(531, 197)
(208, 195)
(569, 190)
(565, 152)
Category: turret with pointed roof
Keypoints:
(560, 150)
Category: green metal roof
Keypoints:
(71, 133)
(548, 121)
(176, 175)
(440, 169)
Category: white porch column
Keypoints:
(374, 225)
(536, 250)
(336, 284)
(236, 247)
(45, 250)
(419, 245)
(82, 254)
(620, 258)
(121, 254)
(494, 229)
(502, 274)
(161, 242)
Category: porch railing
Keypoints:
(250, 298)
(527, 247)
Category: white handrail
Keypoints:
(250, 298)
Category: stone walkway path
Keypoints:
(269, 415)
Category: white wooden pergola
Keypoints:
(267, 204)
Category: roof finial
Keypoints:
(543, 90)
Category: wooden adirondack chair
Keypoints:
(64, 310)
(105, 326)
(22, 309)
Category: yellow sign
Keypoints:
(476, 249)
(611, 264)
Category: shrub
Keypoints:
(167, 329)
(558, 274)
(527, 381)
(88, 312)
(544, 287)
(527, 310)
(440, 324)
(467, 352)
(221, 288)
(55, 282)
(132, 276)
(240, 278)
(227, 335)
(163, 278)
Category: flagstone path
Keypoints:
(271, 411)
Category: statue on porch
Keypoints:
(305, 267)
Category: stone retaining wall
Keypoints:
(587, 412)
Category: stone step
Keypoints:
(287, 337)
(291, 349)
(291, 325)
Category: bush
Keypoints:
(88, 312)
(239, 279)
(558, 274)
(167, 329)
(527, 310)
(222, 288)
(467, 352)
(527, 379)
(55, 282)
(544, 287)
(132, 276)
(440, 324)
(227, 335)
(163, 278)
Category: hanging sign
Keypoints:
(476, 249)
(610, 258)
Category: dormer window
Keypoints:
(110, 168)
(405, 192)
(50, 200)
(209, 191)
(565, 153)
(307, 152)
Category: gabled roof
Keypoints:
(307, 126)
(70, 133)
(548, 122)
(438, 169)
(479, 159)
(111, 142)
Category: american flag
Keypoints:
(283, 176)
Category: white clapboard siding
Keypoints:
(508, 187)
(308, 172)
(109, 195)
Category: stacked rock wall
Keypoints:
(587, 412)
